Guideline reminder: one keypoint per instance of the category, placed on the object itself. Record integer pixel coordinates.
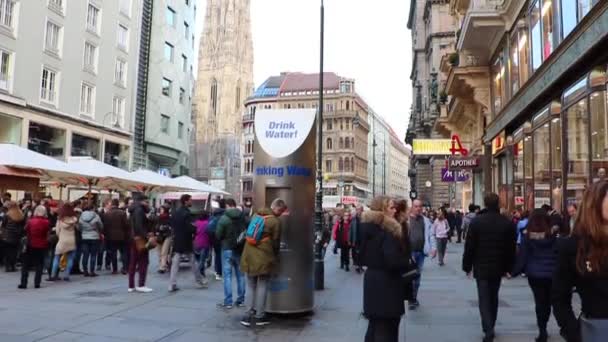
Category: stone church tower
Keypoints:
(225, 80)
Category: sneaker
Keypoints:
(218, 277)
(240, 305)
(143, 289)
(130, 290)
(173, 288)
(262, 321)
(224, 306)
(21, 286)
(202, 283)
(248, 320)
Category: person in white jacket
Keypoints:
(422, 243)
(90, 226)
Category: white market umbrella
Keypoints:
(107, 176)
(50, 168)
(156, 181)
(195, 185)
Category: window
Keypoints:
(548, 28)
(167, 85)
(193, 41)
(5, 70)
(328, 165)
(518, 172)
(535, 36)
(341, 143)
(184, 63)
(599, 134)
(329, 144)
(87, 94)
(514, 63)
(120, 74)
(352, 143)
(168, 52)
(528, 174)
(214, 96)
(498, 72)
(170, 16)
(56, 5)
(53, 38)
(118, 108)
(523, 49)
(7, 8)
(48, 87)
(123, 37)
(347, 165)
(556, 163)
(93, 19)
(542, 166)
(180, 130)
(584, 6)
(182, 95)
(329, 124)
(578, 150)
(340, 164)
(90, 56)
(125, 7)
(164, 123)
(347, 143)
(568, 16)
(186, 30)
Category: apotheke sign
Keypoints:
(463, 163)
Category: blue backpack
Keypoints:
(255, 230)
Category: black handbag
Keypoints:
(408, 279)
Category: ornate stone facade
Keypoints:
(225, 81)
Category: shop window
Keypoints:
(116, 155)
(578, 151)
(514, 63)
(46, 140)
(84, 146)
(584, 6)
(10, 129)
(518, 173)
(599, 134)
(523, 49)
(548, 28)
(535, 36)
(568, 15)
(556, 163)
(498, 84)
(542, 166)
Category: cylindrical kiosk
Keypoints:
(284, 167)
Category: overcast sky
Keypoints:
(364, 39)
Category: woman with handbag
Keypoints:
(12, 232)
(66, 231)
(340, 234)
(387, 259)
(583, 264)
(37, 230)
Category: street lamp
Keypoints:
(319, 263)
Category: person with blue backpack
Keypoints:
(260, 255)
(229, 227)
(215, 243)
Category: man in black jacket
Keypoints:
(489, 253)
(141, 231)
(183, 234)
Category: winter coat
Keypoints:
(592, 289)
(201, 239)
(466, 221)
(229, 227)
(521, 226)
(140, 225)
(430, 244)
(12, 230)
(489, 249)
(341, 233)
(66, 231)
(386, 258)
(183, 230)
(353, 234)
(37, 230)
(90, 225)
(116, 225)
(537, 258)
(261, 259)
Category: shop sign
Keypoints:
(519, 200)
(498, 143)
(431, 147)
(331, 201)
(453, 176)
(463, 163)
(351, 200)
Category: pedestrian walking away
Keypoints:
(66, 244)
(422, 244)
(215, 242)
(259, 259)
(164, 239)
(441, 232)
(202, 244)
(117, 233)
(37, 230)
(489, 254)
(90, 227)
(141, 232)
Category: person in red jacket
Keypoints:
(340, 234)
(37, 230)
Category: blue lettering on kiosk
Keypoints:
(280, 171)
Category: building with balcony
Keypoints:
(68, 77)
(345, 131)
(433, 32)
(528, 90)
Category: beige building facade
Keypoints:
(399, 161)
(225, 81)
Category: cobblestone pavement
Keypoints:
(100, 309)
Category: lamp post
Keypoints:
(319, 263)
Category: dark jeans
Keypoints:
(10, 255)
(442, 245)
(112, 249)
(100, 251)
(78, 256)
(217, 251)
(33, 258)
(138, 261)
(89, 253)
(487, 293)
(459, 234)
(344, 256)
(382, 330)
(541, 288)
(356, 256)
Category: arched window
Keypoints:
(341, 164)
(237, 96)
(329, 144)
(352, 163)
(347, 143)
(213, 99)
(347, 105)
(352, 142)
(347, 165)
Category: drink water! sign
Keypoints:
(281, 132)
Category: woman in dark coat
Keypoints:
(12, 232)
(386, 258)
(538, 259)
(583, 264)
